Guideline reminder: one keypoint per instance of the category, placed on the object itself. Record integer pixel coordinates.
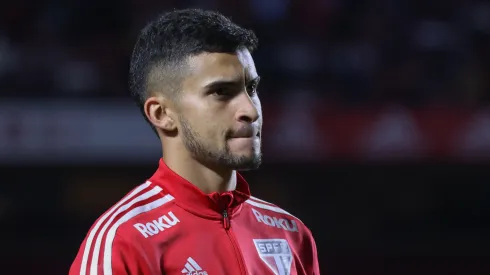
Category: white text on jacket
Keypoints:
(156, 226)
(289, 225)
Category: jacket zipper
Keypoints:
(231, 236)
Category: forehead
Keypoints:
(207, 67)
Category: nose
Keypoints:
(248, 111)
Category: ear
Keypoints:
(159, 112)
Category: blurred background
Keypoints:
(377, 126)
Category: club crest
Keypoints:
(276, 254)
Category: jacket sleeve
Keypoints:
(310, 258)
(122, 258)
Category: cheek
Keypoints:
(210, 127)
(258, 105)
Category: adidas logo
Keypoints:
(192, 268)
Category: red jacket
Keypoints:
(168, 226)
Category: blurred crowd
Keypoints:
(367, 219)
(413, 52)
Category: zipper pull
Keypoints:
(226, 220)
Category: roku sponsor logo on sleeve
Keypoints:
(156, 226)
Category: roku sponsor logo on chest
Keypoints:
(289, 225)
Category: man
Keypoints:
(194, 78)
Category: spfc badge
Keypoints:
(276, 254)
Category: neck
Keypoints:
(207, 179)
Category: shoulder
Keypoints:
(265, 205)
(146, 201)
(272, 214)
(107, 236)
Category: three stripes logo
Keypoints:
(192, 268)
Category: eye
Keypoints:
(222, 92)
(252, 89)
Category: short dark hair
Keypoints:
(174, 36)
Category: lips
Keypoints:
(246, 132)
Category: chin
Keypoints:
(248, 168)
(247, 162)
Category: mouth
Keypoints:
(247, 137)
(247, 133)
(257, 135)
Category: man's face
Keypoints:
(220, 115)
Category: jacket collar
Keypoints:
(192, 199)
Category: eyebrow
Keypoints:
(231, 82)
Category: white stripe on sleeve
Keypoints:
(88, 244)
(97, 246)
(107, 261)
